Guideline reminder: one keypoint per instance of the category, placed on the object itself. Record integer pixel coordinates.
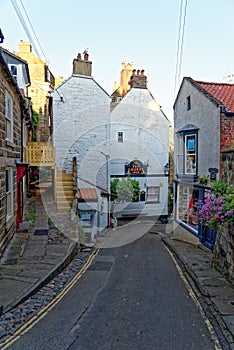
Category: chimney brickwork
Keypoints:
(82, 66)
(138, 79)
(25, 46)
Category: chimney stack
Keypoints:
(82, 66)
(138, 79)
(25, 46)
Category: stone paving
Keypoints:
(35, 269)
(17, 316)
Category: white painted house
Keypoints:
(139, 147)
(81, 113)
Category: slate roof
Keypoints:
(5, 67)
(87, 194)
(222, 92)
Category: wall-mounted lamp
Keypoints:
(166, 169)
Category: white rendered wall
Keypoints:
(145, 138)
(81, 115)
(81, 128)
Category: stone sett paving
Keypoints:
(10, 321)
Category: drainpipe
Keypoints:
(21, 136)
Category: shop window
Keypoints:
(188, 205)
(9, 115)
(120, 137)
(153, 194)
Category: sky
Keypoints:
(145, 33)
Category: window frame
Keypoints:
(188, 102)
(156, 194)
(14, 74)
(182, 136)
(120, 136)
(9, 194)
(192, 154)
(8, 116)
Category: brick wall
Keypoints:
(228, 166)
(226, 132)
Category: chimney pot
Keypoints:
(79, 56)
(86, 55)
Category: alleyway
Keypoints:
(131, 297)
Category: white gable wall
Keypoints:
(81, 113)
(81, 127)
(206, 116)
(145, 138)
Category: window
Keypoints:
(9, 116)
(9, 193)
(13, 69)
(188, 100)
(120, 137)
(186, 151)
(48, 76)
(188, 205)
(153, 194)
(190, 154)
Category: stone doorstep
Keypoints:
(24, 227)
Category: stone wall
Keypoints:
(223, 255)
(228, 166)
(9, 154)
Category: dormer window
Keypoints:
(13, 69)
(188, 102)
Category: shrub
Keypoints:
(218, 207)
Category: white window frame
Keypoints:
(9, 116)
(9, 193)
(153, 194)
(190, 154)
(180, 155)
(11, 70)
(120, 137)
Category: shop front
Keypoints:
(189, 199)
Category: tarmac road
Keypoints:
(131, 297)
